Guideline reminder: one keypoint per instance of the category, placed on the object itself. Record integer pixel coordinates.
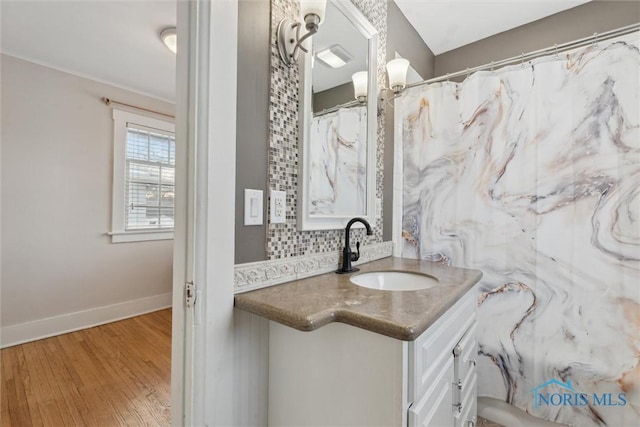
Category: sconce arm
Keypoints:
(384, 100)
(303, 38)
(289, 40)
(311, 22)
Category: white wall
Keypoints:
(57, 161)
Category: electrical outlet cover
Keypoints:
(278, 207)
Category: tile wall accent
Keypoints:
(284, 240)
(262, 274)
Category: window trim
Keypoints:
(120, 120)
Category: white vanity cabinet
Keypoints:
(442, 370)
(341, 375)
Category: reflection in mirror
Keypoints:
(338, 160)
(338, 120)
(339, 51)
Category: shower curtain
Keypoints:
(531, 174)
(338, 162)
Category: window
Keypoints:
(143, 178)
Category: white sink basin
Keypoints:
(394, 281)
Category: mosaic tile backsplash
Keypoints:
(284, 240)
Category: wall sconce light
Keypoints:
(289, 40)
(170, 38)
(360, 83)
(397, 74)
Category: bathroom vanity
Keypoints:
(374, 357)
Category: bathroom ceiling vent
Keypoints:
(334, 57)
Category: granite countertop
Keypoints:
(311, 303)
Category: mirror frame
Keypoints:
(306, 221)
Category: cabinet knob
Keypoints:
(458, 408)
(457, 350)
(471, 423)
(472, 362)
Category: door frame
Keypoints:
(206, 81)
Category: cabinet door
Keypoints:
(435, 408)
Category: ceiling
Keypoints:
(445, 25)
(113, 41)
(117, 41)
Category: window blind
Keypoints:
(149, 179)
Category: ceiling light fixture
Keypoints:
(289, 40)
(335, 56)
(170, 38)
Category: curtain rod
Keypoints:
(111, 101)
(594, 39)
(353, 103)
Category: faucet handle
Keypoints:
(356, 256)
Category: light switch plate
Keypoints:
(378, 208)
(253, 207)
(278, 207)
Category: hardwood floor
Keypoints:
(111, 375)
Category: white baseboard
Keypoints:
(69, 322)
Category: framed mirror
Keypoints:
(337, 158)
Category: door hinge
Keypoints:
(190, 294)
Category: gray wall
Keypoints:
(253, 86)
(251, 333)
(405, 40)
(57, 168)
(332, 97)
(252, 134)
(253, 117)
(572, 24)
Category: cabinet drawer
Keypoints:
(435, 408)
(429, 353)
(466, 415)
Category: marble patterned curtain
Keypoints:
(338, 163)
(531, 174)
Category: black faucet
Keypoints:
(347, 255)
